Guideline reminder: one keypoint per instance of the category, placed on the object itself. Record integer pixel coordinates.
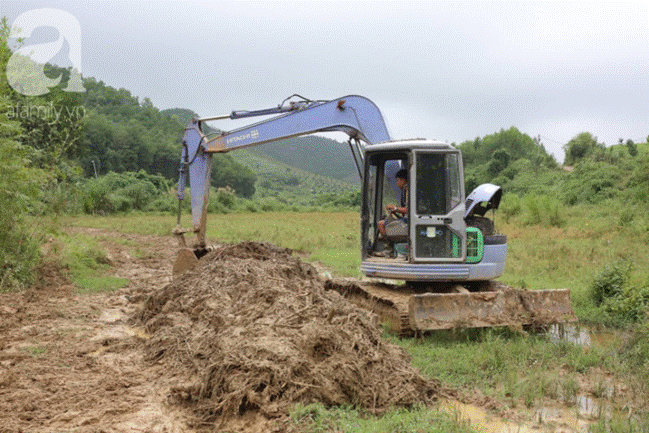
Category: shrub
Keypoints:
(533, 214)
(510, 206)
(19, 188)
(630, 306)
(552, 210)
(619, 303)
(610, 282)
(167, 203)
(97, 197)
(122, 192)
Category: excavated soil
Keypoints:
(253, 329)
(227, 347)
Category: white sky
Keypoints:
(447, 70)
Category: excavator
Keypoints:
(434, 265)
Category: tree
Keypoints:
(19, 185)
(228, 173)
(580, 147)
(632, 147)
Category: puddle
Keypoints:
(542, 420)
(580, 335)
(574, 416)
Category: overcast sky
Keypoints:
(447, 70)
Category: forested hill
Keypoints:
(122, 134)
(592, 172)
(316, 154)
(109, 130)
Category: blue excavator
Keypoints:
(430, 266)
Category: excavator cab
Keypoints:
(434, 222)
(433, 241)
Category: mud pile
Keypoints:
(252, 328)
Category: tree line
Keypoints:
(591, 172)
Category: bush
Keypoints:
(19, 255)
(636, 348)
(19, 189)
(618, 303)
(97, 197)
(631, 306)
(167, 203)
(552, 210)
(122, 192)
(510, 206)
(592, 182)
(610, 282)
(533, 210)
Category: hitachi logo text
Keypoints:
(250, 135)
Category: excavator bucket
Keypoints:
(405, 309)
(185, 260)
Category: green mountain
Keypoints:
(288, 183)
(316, 154)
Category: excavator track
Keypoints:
(384, 300)
(411, 308)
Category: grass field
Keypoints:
(539, 256)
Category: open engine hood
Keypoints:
(486, 196)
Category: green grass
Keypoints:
(545, 257)
(316, 418)
(508, 366)
(35, 351)
(331, 238)
(622, 424)
(90, 284)
(85, 262)
(539, 256)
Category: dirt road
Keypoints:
(71, 362)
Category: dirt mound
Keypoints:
(253, 329)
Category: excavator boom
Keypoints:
(357, 116)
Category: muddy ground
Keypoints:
(83, 362)
(79, 362)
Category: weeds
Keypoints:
(619, 302)
(317, 418)
(621, 424)
(35, 351)
(85, 262)
(610, 282)
(570, 389)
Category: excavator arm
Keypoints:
(354, 115)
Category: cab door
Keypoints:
(379, 190)
(437, 227)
